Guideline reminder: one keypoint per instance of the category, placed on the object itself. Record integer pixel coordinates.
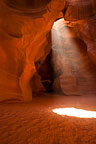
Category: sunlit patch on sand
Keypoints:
(75, 112)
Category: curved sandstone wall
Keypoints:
(82, 18)
(24, 39)
(79, 9)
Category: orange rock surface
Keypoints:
(25, 39)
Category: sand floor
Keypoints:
(35, 123)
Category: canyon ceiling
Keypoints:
(25, 41)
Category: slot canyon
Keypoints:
(47, 62)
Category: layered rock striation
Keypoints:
(25, 39)
(82, 20)
(26, 42)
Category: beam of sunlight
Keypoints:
(65, 56)
(75, 112)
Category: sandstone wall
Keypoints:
(82, 20)
(24, 39)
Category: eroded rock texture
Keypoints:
(25, 42)
(82, 20)
(24, 39)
